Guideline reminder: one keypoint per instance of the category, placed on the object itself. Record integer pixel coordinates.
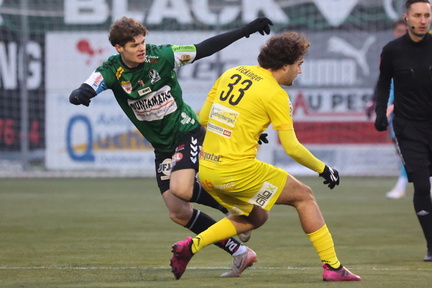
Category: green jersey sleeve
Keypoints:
(184, 54)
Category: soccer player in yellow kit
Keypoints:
(244, 101)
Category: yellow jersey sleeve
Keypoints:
(279, 109)
(298, 152)
(205, 110)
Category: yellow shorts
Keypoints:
(241, 186)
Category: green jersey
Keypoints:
(150, 94)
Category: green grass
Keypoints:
(116, 233)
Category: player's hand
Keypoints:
(82, 95)
(331, 177)
(370, 107)
(261, 25)
(263, 139)
(381, 122)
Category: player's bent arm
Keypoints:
(383, 90)
(298, 152)
(82, 95)
(205, 110)
(204, 113)
(94, 85)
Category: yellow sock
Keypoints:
(323, 243)
(219, 231)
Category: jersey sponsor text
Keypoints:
(265, 193)
(154, 106)
(223, 114)
(219, 130)
(210, 157)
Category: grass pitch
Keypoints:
(116, 233)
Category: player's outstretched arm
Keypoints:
(303, 156)
(261, 25)
(219, 42)
(298, 152)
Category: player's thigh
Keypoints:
(163, 163)
(413, 141)
(415, 155)
(186, 154)
(182, 183)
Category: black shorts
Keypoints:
(185, 156)
(414, 141)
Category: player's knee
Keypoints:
(422, 185)
(180, 216)
(258, 217)
(302, 194)
(183, 193)
(307, 193)
(178, 219)
(259, 222)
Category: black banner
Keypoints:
(11, 89)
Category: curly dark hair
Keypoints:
(283, 49)
(124, 30)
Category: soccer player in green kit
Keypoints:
(145, 85)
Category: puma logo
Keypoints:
(339, 45)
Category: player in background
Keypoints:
(243, 102)
(408, 61)
(145, 85)
(399, 190)
(399, 28)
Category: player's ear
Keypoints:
(118, 48)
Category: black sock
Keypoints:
(201, 196)
(201, 221)
(423, 204)
(334, 269)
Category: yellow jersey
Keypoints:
(239, 107)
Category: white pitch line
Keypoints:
(141, 267)
(196, 268)
(104, 268)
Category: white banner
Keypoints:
(101, 136)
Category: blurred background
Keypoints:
(49, 47)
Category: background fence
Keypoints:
(48, 48)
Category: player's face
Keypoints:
(418, 20)
(133, 52)
(399, 30)
(292, 72)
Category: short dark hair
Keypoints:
(398, 22)
(283, 49)
(124, 30)
(408, 3)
